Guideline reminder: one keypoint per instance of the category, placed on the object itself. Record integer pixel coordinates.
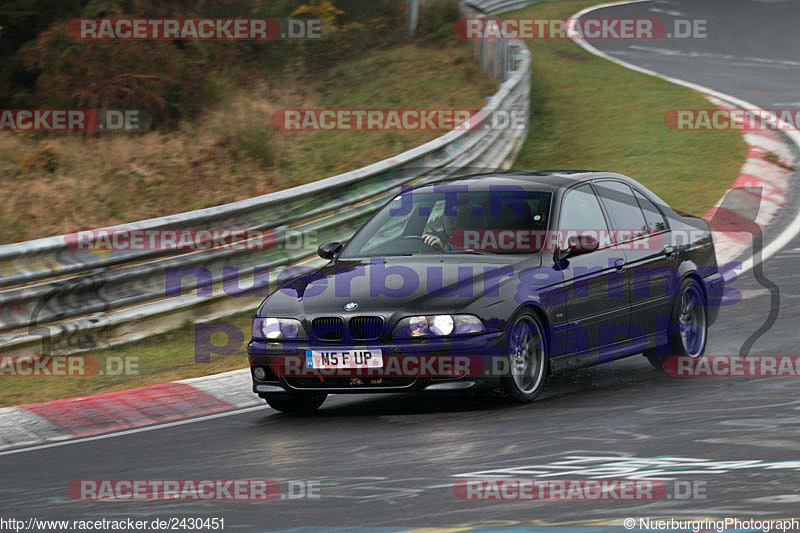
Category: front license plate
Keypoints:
(353, 358)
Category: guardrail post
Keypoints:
(413, 17)
(484, 56)
(499, 64)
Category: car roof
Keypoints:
(554, 181)
(548, 180)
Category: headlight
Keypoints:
(438, 326)
(278, 328)
(441, 324)
(417, 325)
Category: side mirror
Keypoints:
(586, 244)
(329, 250)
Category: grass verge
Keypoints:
(589, 113)
(165, 357)
(51, 184)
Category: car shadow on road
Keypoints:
(567, 389)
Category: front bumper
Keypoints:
(483, 352)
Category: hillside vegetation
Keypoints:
(211, 101)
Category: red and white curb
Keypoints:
(733, 229)
(60, 420)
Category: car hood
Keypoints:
(385, 285)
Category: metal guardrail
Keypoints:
(68, 300)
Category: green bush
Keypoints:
(437, 18)
(173, 80)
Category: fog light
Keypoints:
(259, 373)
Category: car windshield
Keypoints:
(451, 219)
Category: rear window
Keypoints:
(655, 220)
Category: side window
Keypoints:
(622, 207)
(655, 220)
(580, 210)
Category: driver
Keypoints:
(459, 220)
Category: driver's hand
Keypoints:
(432, 240)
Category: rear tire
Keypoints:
(526, 347)
(302, 403)
(688, 326)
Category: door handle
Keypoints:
(669, 251)
(619, 264)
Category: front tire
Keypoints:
(688, 327)
(527, 356)
(304, 403)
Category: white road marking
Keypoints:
(670, 12)
(714, 56)
(628, 467)
(793, 229)
(136, 430)
(780, 498)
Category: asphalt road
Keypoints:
(392, 460)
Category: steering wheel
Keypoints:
(421, 246)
